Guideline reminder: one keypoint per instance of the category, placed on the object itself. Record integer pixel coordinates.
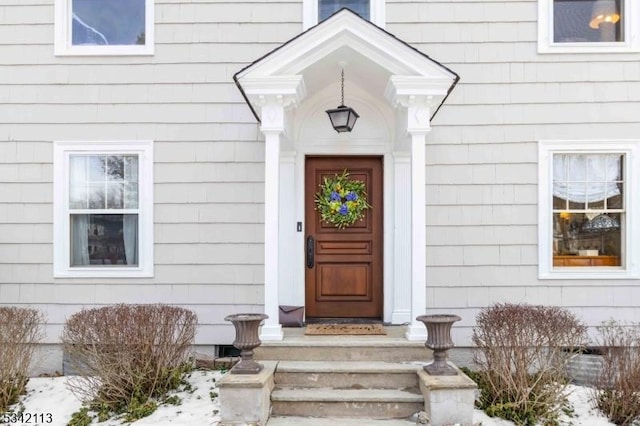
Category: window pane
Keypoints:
(115, 168)
(328, 7)
(108, 22)
(115, 196)
(617, 201)
(96, 196)
(588, 21)
(578, 237)
(96, 168)
(98, 239)
(100, 181)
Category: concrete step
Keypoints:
(348, 374)
(342, 353)
(335, 421)
(346, 403)
(297, 346)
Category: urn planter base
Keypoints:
(247, 340)
(439, 340)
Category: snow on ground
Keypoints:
(50, 395)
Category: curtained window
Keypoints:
(588, 209)
(588, 21)
(103, 209)
(103, 204)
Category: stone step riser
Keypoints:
(342, 380)
(360, 409)
(307, 421)
(357, 353)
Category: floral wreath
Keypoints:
(341, 201)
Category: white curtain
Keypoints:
(130, 231)
(79, 222)
(130, 221)
(586, 178)
(79, 239)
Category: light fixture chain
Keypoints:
(342, 88)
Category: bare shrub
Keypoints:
(19, 333)
(126, 354)
(522, 361)
(618, 394)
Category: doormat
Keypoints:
(344, 329)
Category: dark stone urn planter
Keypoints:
(439, 340)
(246, 340)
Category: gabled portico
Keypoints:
(396, 90)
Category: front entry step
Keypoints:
(347, 389)
(354, 403)
(348, 375)
(335, 421)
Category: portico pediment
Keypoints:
(377, 62)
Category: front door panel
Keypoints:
(344, 266)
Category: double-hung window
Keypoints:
(318, 10)
(583, 26)
(104, 27)
(586, 209)
(103, 209)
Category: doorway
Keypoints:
(344, 267)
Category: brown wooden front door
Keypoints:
(344, 277)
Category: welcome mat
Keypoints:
(344, 329)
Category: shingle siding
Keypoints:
(482, 171)
(481, 157)
(208, 163)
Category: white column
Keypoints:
(418, 125)
(271, 96)
(417, 96)
(272, 127)
(271, 330)
(416, 329)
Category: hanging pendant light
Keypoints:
(604, 11)
(343, 118)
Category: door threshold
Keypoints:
(344, 321)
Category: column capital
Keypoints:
(271, 96)
(420, 96)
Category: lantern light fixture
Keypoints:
(343, 118)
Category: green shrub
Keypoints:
(126, 355)
(618, 393)
(522, 361)
(19, 333)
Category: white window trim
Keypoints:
(310, 13)
(61, 216)
(631, 41)
(631, 150)
(62, 29)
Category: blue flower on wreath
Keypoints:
(335, 196)
(352, 196)
(344, 210)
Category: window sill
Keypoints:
(588, 273)
(104, 50)
(103, 273)
(621, 47)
